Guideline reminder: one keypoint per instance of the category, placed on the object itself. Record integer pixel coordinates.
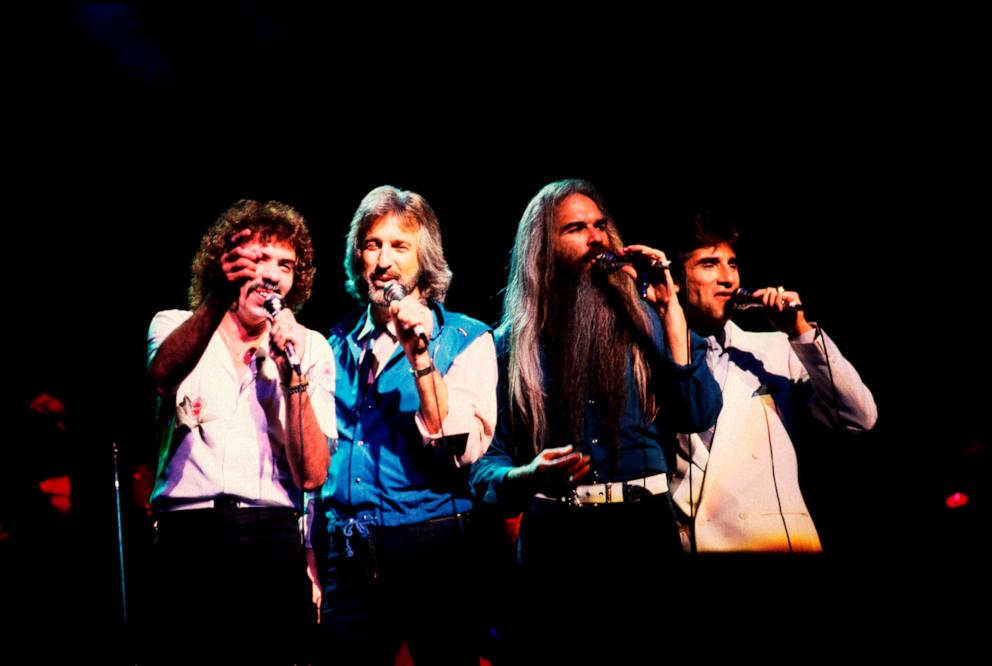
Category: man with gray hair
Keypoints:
(416, 405)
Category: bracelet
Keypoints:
(423, 372)
(298, 388)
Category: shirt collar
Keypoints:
(721, 340)
(371, 331)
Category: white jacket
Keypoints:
(750, 464)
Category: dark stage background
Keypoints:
(850, 152)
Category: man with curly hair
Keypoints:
(244, 431)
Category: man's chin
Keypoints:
(721, 318)
(250, 316)
(714, 318)
(377, 295)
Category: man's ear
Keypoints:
(678, 274)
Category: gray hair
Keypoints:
(435, 276)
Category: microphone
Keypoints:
(274, 305)
(396, 292)
(649, 271)
(744, 299)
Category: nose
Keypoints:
(385, 258)
(267, 270)
(726, 275)
(598, 236)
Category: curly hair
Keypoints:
(270, 222)
(435, 276)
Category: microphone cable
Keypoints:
(688, 438)
(778, 498)
(458, 530)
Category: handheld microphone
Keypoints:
(649, 271)
(744, 299)
(274, 305)
(396, 292)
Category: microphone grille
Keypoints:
(394, 292)
(609, 262)
(273, 304)
(744, 299)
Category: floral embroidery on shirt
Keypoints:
(323, 375)
(191, 413)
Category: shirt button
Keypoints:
(742, 515)
(361, 443)
(358, 479)
(595, 441)
(754, 454)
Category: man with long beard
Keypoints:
(594, 382)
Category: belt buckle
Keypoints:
(226, 502)
(596, 493)
(633, 492)
(589, 498)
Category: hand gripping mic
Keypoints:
(274, 305)
(396, 292)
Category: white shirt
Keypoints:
(223, 432)
(471, 408)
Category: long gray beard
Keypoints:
(588, 359)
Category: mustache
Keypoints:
(264, 283)
(592, 254)
(385, 274)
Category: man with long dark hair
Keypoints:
(595, 381)
(243, 434)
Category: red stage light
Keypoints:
(956, 500)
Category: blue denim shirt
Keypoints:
(382, 472)
(688, 398)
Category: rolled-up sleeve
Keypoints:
(471, 384)
(320, 377)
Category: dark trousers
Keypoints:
(628, 542)
(409, 583)
(595, 581)
(230, 584)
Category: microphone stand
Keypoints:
(120, 535)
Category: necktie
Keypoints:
(367, 369)
(718, 362)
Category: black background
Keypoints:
(852, 150)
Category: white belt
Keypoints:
(613, 492)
